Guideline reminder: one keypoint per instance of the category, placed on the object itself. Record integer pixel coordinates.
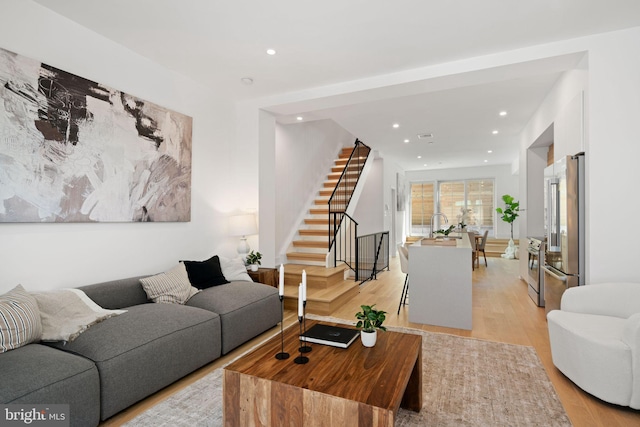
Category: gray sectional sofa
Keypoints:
(126, 358)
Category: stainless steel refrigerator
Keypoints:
(565, 228)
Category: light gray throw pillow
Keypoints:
(234, 269)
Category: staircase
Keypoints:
(327, 288)
(313, 243)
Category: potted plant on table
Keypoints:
(369, 320)
(446, 231)
(253, 260)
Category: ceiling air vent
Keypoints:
(425, 135)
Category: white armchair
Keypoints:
(595, 340)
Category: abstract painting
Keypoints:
(73, 150)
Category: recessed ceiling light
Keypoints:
(486, 160)
(425, 164)
(495, 132)
(503, 113)
(396, 125)
(419, 157)
(271, 52)
(489, 151)
(247, 80)
(299, 118)
(406, 141)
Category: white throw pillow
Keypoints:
(20, 322)
(66, 313)
(234, 269)
(172, 287)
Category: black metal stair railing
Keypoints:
(345, 241)
(373, 255)
(343, 230)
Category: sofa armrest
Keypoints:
(117, 294)
(631, 333)
(605, 299)
(631, 337)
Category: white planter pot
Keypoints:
(254, 267)
(368, 338)
(510, 251)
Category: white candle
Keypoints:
(300, 306)
(304, 285)
(281, 283)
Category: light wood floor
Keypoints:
(502, 311)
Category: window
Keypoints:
(422, 205)
(451, 200)
(480, 199)
(475, 197)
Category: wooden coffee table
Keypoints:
(356, 386)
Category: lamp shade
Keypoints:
(243, 225)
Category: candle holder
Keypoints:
(301, 360)
(304, 348)
(282, 355)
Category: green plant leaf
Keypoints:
(370, 318)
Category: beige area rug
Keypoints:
(466, 382)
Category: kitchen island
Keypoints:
(440, 282)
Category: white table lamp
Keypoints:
(243, 225)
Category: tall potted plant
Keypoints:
(509, 215)
(370, 319)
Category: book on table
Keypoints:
(335, 336)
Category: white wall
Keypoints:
(569, 87)
(612, 109)
(47, 256)
(391, 170)
(504, 183)
(305, 153)
(532, 206)
(613, 154)
(369, 212)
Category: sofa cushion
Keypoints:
(20, 322)
(66, 313)
(145, 349)
(172, 287)
(204, 274)
(246, 310)
(39, 374)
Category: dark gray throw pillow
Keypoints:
(205, 274)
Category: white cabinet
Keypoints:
(440, 291)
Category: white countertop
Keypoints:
(462, 242)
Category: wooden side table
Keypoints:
(268, 276)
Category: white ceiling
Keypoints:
(217, 42)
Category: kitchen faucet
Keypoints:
(446, 221)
